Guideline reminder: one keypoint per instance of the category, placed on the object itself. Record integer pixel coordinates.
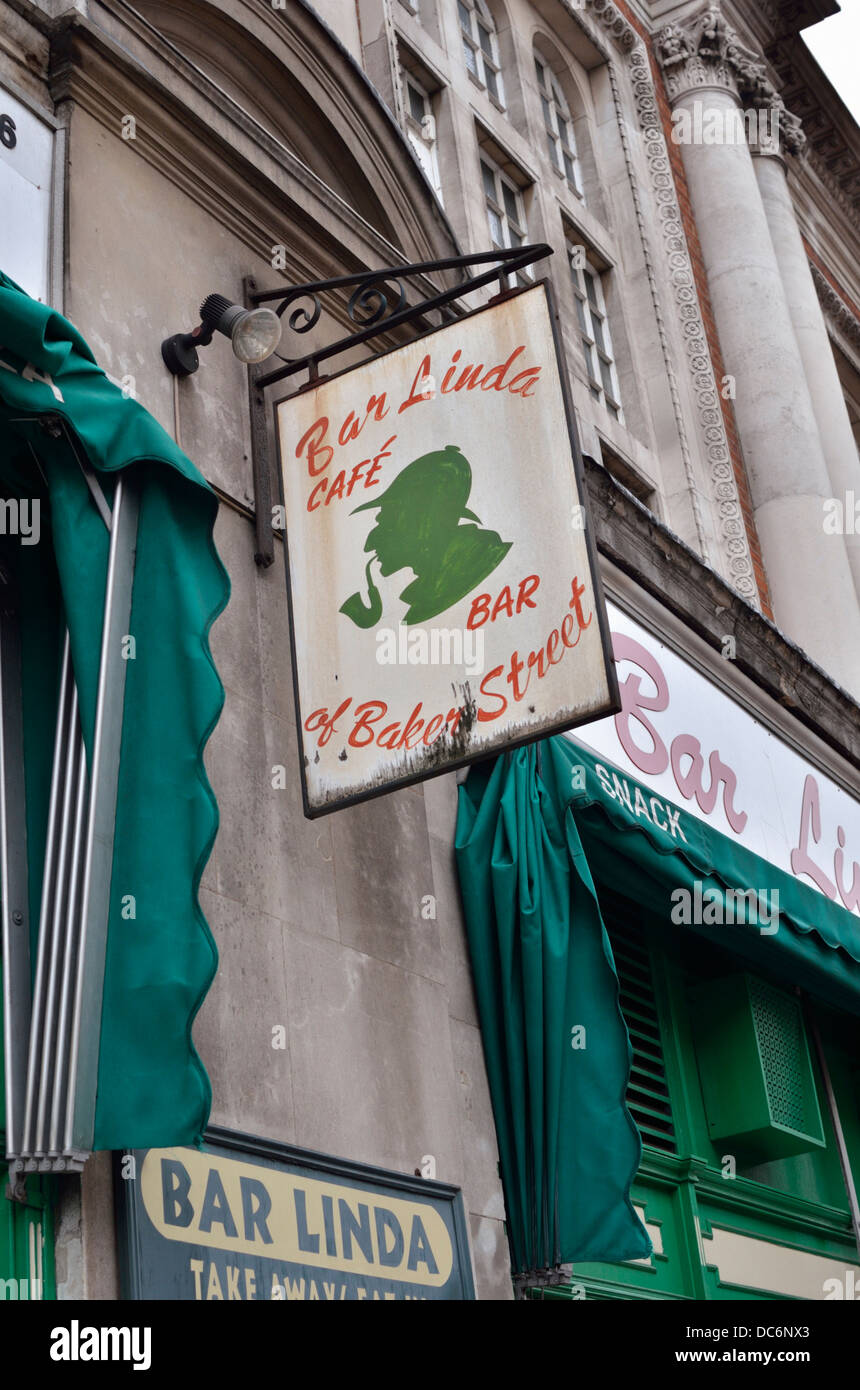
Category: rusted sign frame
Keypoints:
(613, 704)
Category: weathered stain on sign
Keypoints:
(444, 596)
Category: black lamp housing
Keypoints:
(218, 315)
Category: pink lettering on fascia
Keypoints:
(685, 752)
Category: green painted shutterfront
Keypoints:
(683, 1186)
(27, 1241)
(26, 1229)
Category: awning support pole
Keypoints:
(41, 1003)
(86, 1011)
(13, 863)
(52, 1040)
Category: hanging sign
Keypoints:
(250, 1219)
(444, 596)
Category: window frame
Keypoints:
(499, 209)
(592, 318)
(476, 20)
(553, 100)
(415, 129)
(497, 204)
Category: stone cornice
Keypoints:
(253, 191)
(706, 51)
(767, 20)
(633, 540)
(842, 323)
(833, 143)
(238, 172)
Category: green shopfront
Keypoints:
(722, 863)
(733, 1015)
(728, 1224)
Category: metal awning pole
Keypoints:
(60, 926)
(13, 865)
(71, 947)
(83, 1057)
(52, 1044)
(62, 738)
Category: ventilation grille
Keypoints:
(779, 1030)
(648, 1092)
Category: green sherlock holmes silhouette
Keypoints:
(418, 528)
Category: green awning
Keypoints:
(650, 848)
(58, 408)
(539, 832)
(556, 1046)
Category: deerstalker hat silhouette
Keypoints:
(444, 475)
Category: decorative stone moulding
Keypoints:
(837, 314)
(707, 52)
(614, 22)
(724, 491)
(732, 558)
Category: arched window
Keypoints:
(558, 124)
(481, 47)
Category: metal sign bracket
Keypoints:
(377, 303)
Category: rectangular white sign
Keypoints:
(26, 163)
(681, 735)
(444, 595)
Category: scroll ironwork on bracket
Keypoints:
(377, 304)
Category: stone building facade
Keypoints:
(708, 300)
(677, 232)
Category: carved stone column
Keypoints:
(712, 80)
(810, 330)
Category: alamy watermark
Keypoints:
(15, 1289)
(847, 1288)
(21, 516)
(842, 514)
(77, 1343)
(700, 124)
(435, 646)
(715, 907)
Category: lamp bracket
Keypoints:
(379, 302)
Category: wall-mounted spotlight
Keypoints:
(254, 333)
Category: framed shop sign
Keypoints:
(248, 1219)
(445, 602)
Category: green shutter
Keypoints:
(648, 1096)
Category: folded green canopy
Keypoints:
(649, 848)
(536, 831)
(55, 401)
(556, 1046)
